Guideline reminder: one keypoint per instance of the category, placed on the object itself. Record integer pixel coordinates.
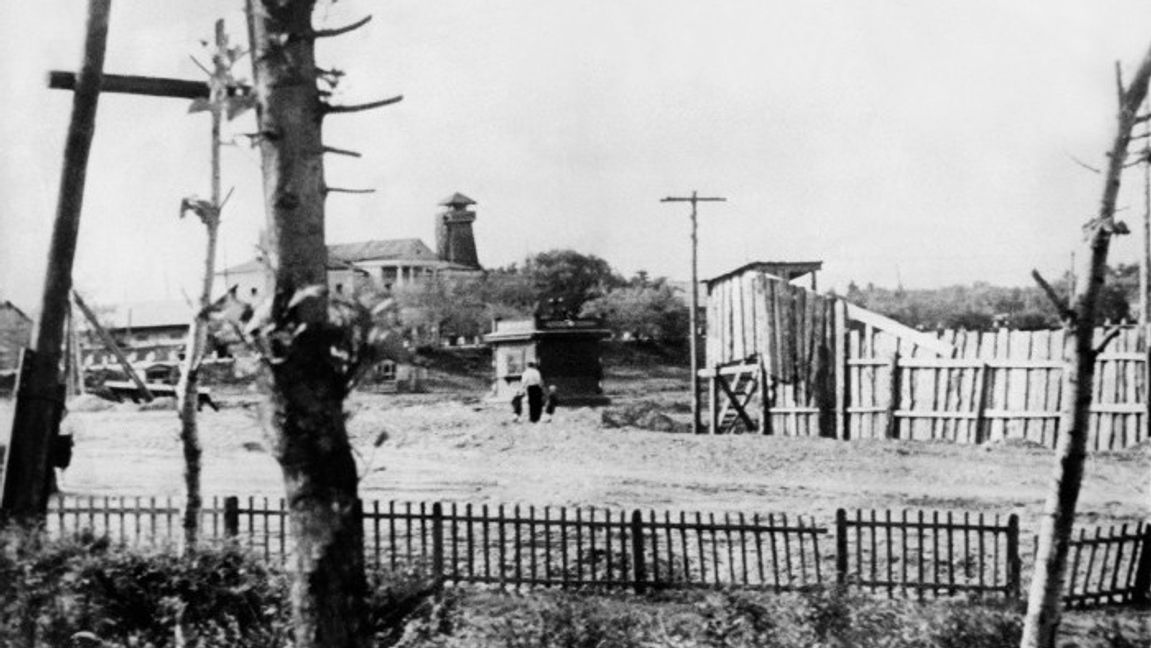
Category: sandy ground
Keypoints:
(459, 449)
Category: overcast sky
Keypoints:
(926, 142)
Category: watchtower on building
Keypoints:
(455, 242)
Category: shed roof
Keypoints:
(787, 270)
(7, 305)
(149, 314)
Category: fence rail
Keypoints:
(911, 554)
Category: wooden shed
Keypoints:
(782, 359)
(566, 350)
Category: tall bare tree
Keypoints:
(311, 359)
(1043, 603)
(188, 389)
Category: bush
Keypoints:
(57, 593)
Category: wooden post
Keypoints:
(639, 569)
(111, 345)
(893, 402)
(1014, 564)
(231, 516)
(37, 412)
(842, 398)
(1143, 571)
(713, 402)
(438, 544)
(841, 551)
(983, 387)
(767, 392)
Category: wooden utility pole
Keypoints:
(38, 396)
(1144, 316)
(1041, 622)
(38, 406)
(693, 317)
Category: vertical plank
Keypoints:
(470, 532)
(501, 532)
(774, 552)
(893, 397)
(743, 548)
(532, 542)
(564, 543)
(839, 337)
(547, 544)
(787, 549)
(919, 547)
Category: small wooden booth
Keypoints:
(567, 352)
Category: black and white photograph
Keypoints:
(532, 324)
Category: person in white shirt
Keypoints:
(533, 385)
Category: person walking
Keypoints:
(532, 382)
(550, 403)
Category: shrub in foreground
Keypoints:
(62, 593)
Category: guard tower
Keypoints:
(455, 242)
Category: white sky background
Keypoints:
(928, 142)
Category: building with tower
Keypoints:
(385, 263)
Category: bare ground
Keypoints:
(454, 447)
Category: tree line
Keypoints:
(982, 306)
(568, 283)
(558, 283)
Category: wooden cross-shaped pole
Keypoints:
(693, 323)
(39, 399)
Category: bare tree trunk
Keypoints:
(188, 390)
(303, 413)
(1041, 623)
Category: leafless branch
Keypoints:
(338, 31)
(1119, 82)
(340, 151)
(349, 191)
(328, 108)
(1065, 312)
(1084, 164)
(1111, 334)
(227, 196)
(200, 65)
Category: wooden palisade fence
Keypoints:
(916, 554)
(782, 359)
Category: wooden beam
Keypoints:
(734, 400)
(927, 341)
(111, 345)
(142, 85)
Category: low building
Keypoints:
(15, 335)
(567, 352)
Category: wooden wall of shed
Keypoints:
(997, 385)
(790, 329)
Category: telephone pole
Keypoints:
(693, 317)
